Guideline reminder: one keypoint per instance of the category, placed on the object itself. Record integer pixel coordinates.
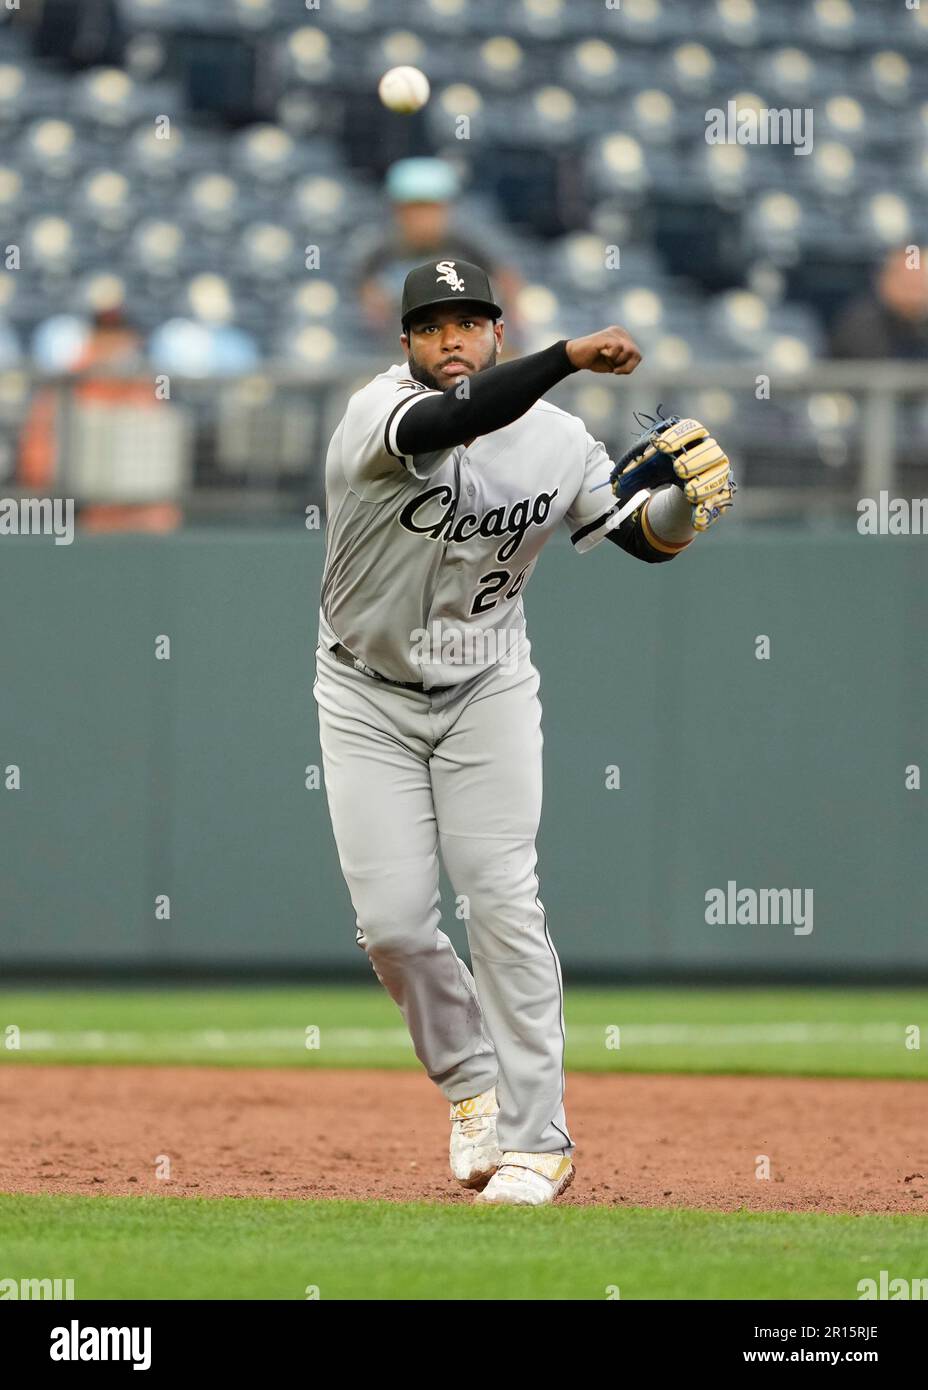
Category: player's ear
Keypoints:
(498, 330)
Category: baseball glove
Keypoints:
(683, 452)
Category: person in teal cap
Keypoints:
(422, 193)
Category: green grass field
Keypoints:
(790, 1032)
(163, 1248)
(198, 1248)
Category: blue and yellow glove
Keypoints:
(682, 452)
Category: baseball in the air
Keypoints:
(404, 90)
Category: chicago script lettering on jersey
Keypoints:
(419, 517)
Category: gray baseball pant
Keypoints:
(408, 773)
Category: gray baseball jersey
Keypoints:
(427, 556)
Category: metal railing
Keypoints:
(253, 447)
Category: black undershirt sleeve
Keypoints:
(629, 536)
(495, 398)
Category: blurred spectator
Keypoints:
(112, 345)
(891, 320)
(421, 193)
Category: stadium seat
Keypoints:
(156, 152)
(740, 318)
(145, 56)
(715, 404)
(887, 220)
(670, 353)
(774, 225)
(736, 22)
(641, 21)
(653, 116)
(592, 68)
(617, 164)
(354, 16)
(106, 97)
(641, 310)
(500, 64)
(306, 56)
(553, 116)
(537, 306)
(157, 247)
(50, 244)
(449, 104)
(100, 291)
(310, 345)
(596, 405)
(917, 26)
(208, 298)
(399, 48)
(213, 202)
(267, 251)
(319, 203)
(254, 15)
(12, 85)
(790, 74)
(105, 198)
(727, 170)
(832, 168)
(832, 414)
(51, 148)
(786, 354)
(844, 118)
(445, 16)
(831, 23)
(580, 259)
(890, 76)
(541, 19)
(313, 300)
(265, 153)
(692, 69)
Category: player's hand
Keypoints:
(609, 350)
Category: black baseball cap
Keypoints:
(445, 282)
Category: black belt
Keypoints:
(343, 655)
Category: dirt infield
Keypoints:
(833, 1145)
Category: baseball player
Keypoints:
(444, 479)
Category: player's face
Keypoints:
(444, 344)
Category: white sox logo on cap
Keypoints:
(447, 275)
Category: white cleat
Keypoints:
(528, 1180)
(474, 1150)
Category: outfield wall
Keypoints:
(143, 777)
